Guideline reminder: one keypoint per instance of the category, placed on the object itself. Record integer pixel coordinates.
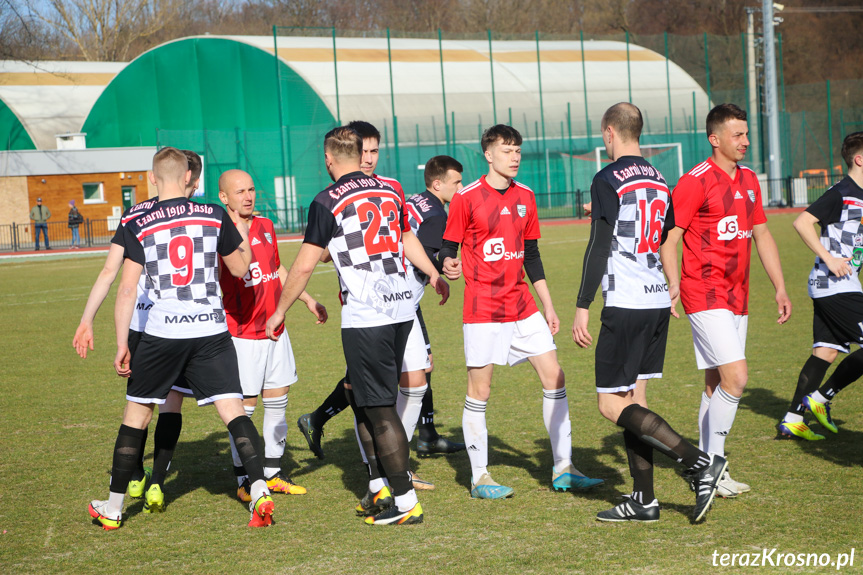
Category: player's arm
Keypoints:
(235, 236)
(83, 338)
(536, 274)
(416, 254)
(295, 284)
(668, 257)
(769, 254)
(430, 234)
(805, 226)
(604, 213)
(124, 307)
(317, 308)
(456, 224)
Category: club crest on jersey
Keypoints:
(858, 240)
(268, 236)
(751, 194)
(522, 210)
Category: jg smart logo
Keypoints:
(727, 228)
(493, 250)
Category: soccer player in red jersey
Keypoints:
(717, 212)
(267, 367)
(495, 221)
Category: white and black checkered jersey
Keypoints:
(632, 195)
(427, 218)
(839, 212)
(361, 220)
(178, 243)
(143, 303)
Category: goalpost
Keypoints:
(667, 158)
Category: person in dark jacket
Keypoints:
(75, 219)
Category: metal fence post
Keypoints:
(89, 228)
(14, 237)
(584, 88)
(668, 84)
(491, 64)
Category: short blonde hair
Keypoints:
(344, 143)
(170, 164)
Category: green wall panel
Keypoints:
(13, 135)
(218, 97)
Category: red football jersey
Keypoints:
(718, 214)
(492, 228)
(249, 301)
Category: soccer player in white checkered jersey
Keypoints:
(146, 482)
(631, 215)
(177, 244)
(361, 221)
(718, 212)
(495, 221)
(267, 367)
(430, 441)
(837, 296)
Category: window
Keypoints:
(94, 193)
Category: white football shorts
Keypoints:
(265, 364)
(719, 337)
(510, 342)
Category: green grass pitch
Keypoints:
(59, 416)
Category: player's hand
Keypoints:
(442, 289)
(674, 292)
(580, 335)
(274, 323)
(552, 320)
(839, 267)
(83, 339)
(588, 208)
(784, 304)
(452, 268)
(318, 310)
(122, 361)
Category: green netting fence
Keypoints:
(560, 143)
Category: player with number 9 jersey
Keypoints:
(178, 241)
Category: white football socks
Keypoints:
(275, 430)
(409, 403)
(475, 436)
(720, 418)
(555, 414)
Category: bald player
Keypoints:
(267, 367)
(631, 217)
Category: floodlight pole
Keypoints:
(774, 163)
(754, 112)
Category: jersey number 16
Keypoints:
(652, 218)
